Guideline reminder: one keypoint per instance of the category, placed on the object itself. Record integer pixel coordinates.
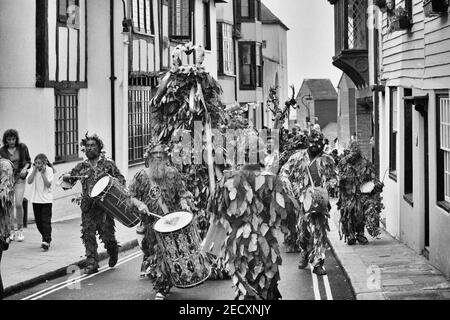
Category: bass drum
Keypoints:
(179, 241)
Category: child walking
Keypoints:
(40, 178)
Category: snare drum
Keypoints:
(114, 199)
(180, 243)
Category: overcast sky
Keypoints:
(310, 38)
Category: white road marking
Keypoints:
(80, 278)
(327, 287)
(315, 284)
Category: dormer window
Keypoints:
(356, 24)
(249, 10)
(351, 39)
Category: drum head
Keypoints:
(173, 222)
(99, 186)
(367, 187)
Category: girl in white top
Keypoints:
(41, 178)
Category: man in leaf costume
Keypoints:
(161, 188)
(6, 205)
(310, 172)
(253, 205)
(359, 207)
(93, 218)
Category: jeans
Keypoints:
(19, 190)
(43, 216)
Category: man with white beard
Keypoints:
(159, 187)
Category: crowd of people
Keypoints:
(310, 173)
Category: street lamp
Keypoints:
(307, 98)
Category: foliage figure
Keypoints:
(359, 207)
(253, 205)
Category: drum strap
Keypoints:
(161, 204)
(309, 172)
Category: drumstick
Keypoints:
(155, 215)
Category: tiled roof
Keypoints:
(267, 17)
(321, 89)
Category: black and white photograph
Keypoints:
(232, 157)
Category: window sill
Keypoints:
(444, 205)
(136, 164)
(178, 40)
(226, 75)
(393, 175)
(249, 88)
(67, 160)
(409, 199)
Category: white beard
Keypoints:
(157, 170)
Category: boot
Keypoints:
(362, 239)
(319, 270)
(113, 257)
(303, 260)
(90, 269)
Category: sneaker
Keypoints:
(319, 270)
(303, 260)
(160, 296)
(90, 269)
(20, 236)
(12, 236)
(45, 245)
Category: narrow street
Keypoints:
(123, 283)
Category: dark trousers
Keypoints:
(93, 221)
(1, 282)
(43, 216)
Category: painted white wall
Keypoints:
(391, 192)
(251, 31)
(17, 44)
(275, 62)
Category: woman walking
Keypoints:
(17, 153)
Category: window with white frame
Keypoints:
(250, 65)
(444, 129)
(225, 48)
(68, 13)
(142, 15)
(393, 133)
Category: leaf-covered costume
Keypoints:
(93, 218)
(171, 191)
(6, 207)
(358, 210)
(253, 206)
(312, 227)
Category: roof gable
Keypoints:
(267, 17)
(321, 89)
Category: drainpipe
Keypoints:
(235, 44)
(122, 132)
(112, 78)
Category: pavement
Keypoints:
(386, 269)
(25, 264)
